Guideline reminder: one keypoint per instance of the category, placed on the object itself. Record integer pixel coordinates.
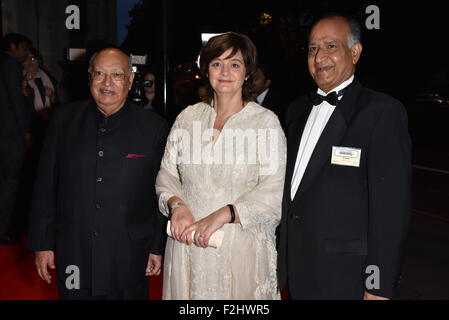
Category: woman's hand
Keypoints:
(205, 227)
(181, 218)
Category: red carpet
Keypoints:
(19, 279)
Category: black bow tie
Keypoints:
(331, 98)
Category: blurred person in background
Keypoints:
(268, 95)
(44, 97)
(39, 81)
(149, 86)
(16, 108)
(202, 91)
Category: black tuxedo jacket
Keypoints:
(344, 219)
(94, 201)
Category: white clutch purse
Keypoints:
(215, 240)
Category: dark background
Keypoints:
(407, 55)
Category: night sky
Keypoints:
(123, 8)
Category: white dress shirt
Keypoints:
(318, 118)
(261, 97)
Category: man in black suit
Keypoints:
(16, 108)
(267, 95)
(346, 203)
(94, 207)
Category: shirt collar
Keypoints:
(113, 119)
(343, 85)
(261, 97)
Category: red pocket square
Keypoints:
(132, 155)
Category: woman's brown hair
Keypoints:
(217, 45)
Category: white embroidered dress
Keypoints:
(244, 166)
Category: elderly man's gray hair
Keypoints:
(92, 58)
(355, 35)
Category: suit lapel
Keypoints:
(332, 135)
(295, 131)
(267, 101)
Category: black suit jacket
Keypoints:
(342, 218)
(15, 109)
(15, 116)
(94, 201)
(275, 102)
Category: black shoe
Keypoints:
(10, 239)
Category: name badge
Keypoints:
(345, 156)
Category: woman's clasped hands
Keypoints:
(184, 228)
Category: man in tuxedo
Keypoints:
(16, 108)
(346, 204)
(94, 212)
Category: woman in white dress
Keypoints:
(223, 169)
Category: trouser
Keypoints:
(8, 192)
(11, 163)
(138, 292)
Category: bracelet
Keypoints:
(176, 205)
(231, 207)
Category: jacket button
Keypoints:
(100, 153)
(97, 206)
(102, 130)
(95, 234)
(99, 179)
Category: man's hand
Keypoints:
(154, 265)
(369, 296)
(43, 260)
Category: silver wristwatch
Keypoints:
(175, 205)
